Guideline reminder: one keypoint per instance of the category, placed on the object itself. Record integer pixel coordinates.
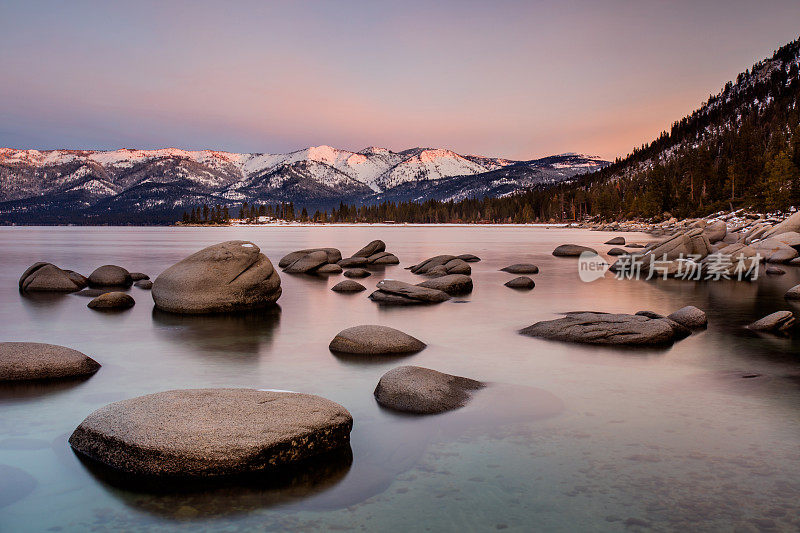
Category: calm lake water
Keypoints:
(567, 437)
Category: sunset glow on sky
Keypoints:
(509, 79)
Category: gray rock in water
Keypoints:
(469, 258)
(690, 316)
(774, 271)
(776, 322)
(452, 284)
(391, 292)
(450, 265)
(413, 389)
(793, 293)
(23, 361)
(331, 268)
(618, 241)
(375, 340)
(110, 276)
(307, 263)
(383, 258)
(348, 285)
(138, 276)
(372, 248)
(211, 433)
(47, 277)
(225, 277)
(357, 273)
(521, 268)
(145, 284)
(92, 293)
(572, 250)
(332, 255)
(522, 282)
(634, 245)
(606, 328)
(351, 262)
(112, 300)
(617, 251)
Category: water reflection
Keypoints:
(22, 391)
(242, 334)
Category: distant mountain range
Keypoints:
(156, 186)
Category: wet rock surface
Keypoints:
(606, 328)
(112, 300)
(110, 276)
(413, 389)
(521, 268)
(348, 285)
(24, 361)
(522, 283)
(47, 277)
(452, 284)
(572, 250)
(391, 292)
(375, 340)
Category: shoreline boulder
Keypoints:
(375, 340)
(225, 277)
(29, 361)
(211, 433)
(413, 389)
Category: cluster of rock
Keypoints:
(393, 292)
(521, 282)
(329, 260)
(442, 265)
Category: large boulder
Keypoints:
(375, 340)
(391, 292)
(210, 433)
(225, 277)
(332, 255)
(572, 250)
(777, 322)
(522, 282)
(307, 263)
(449, 264)
(452, 284)
(774, 251)
(521, 268)
(606, 328)
(790, 224)
(790, 238)
(23, 361)
(715, 231)
(48, 277)
(110, 276)
(413, 389)
(348, 285)
(690, 317)
(372, 248)
(112, 300)
(689, 243)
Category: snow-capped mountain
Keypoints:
(102, 184)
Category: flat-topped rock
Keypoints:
(210, 433)
(23, 361)
(452, 284)
(332, 255)
(112, 300)
(606, 328)
(522, 282)
(357, 273)
(225, 277)
(521, 268)
(469, 258)
(572, 250)
(375, 340)
(307, 263)
(47, 277)
(413, 389)
(776, 322)
(348, 285)
(391, 292)
(372, 248)
(110, 276)
(618, 241)
(690, 317)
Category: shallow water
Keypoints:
(566, 438)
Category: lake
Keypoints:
(699, 436)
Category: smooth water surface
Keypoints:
(700, 436)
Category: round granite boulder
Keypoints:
(110, 276)
(225, 277)
(48, 277)
(371, 249)
(607, 328)
(521, 268)
(357, 273)
(112, 300)
(522, 282)
(375, 340)
(211, 433)
(572, 250)
(22, 361)
(348, 285)
(452, 284)
(690, 317)
(413, 389)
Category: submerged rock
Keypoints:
(452, 284)
(776, 322)
(209, 433)
(348, 285)
(22, 361)
(469, 258)
(606, 328)
(690, 316)
(110, 276)
(521, 268)
(391, 292)
(112, 300)
(572, 250)
(225, 277)
(413, 389)
(43, 277)
(375, 340)
(357, 273)
(522, 282)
